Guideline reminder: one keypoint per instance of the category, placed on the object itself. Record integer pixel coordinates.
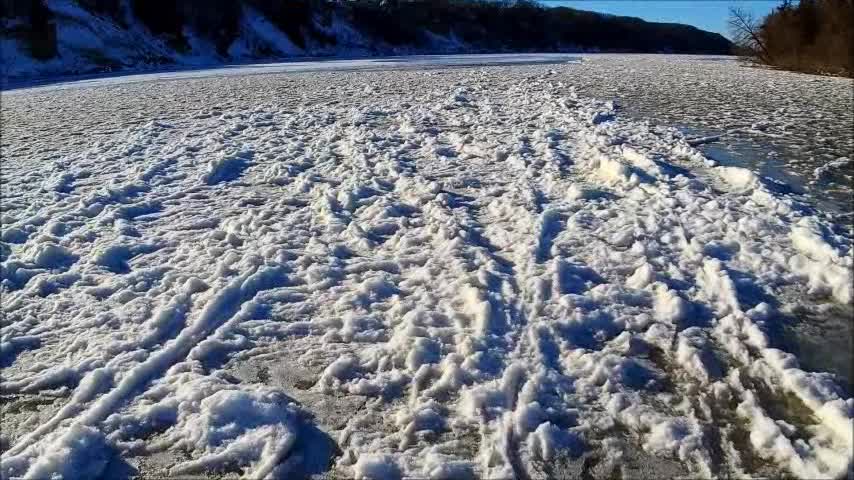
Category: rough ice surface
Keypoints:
(790, 126)
(458, 273)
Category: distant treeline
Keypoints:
(814, 36)
(30, 21)
(483, 25)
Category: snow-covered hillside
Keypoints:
(435, 274)
(91, 36)
(88, 42)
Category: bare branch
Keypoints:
(745, 32)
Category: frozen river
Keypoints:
(792, 127)
(512, 266)
(302, 66)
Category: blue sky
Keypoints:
(706, 14)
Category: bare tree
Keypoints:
(745, 31)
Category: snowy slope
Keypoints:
(85, 43)
(88, 42)
(441, 274)
(67, 37)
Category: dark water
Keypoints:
(826, 192)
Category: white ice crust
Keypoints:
(505, 272)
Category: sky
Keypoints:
(708, 15)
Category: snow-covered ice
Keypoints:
(790, 126)
(472, 272)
